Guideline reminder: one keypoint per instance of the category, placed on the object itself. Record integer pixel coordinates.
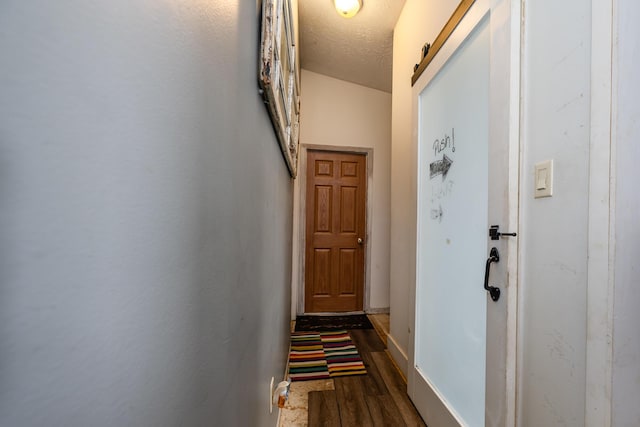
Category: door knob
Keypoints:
(360, 241)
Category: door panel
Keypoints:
(466, 110)
(450, 300)
(335, 221)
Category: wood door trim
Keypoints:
(299, 223)
(298, 307)
(336, 190)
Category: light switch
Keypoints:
(544, 179)
(541, 180)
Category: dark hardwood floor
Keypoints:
(376, 399)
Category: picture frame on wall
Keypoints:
(278, 77)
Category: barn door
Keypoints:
(466, 109)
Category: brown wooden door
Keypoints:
(335, 231)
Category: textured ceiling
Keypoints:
(358, 50)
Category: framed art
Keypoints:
(278, 77)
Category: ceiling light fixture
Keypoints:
(347, 8)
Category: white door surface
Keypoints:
(462, 362)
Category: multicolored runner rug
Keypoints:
(325, 355)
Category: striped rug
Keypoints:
(324, 355)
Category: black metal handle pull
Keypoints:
(493, 291)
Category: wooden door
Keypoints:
(335, 231)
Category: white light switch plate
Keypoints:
(543, 180)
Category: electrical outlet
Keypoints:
(271, 396)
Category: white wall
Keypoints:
(420, 21)
(626, 338)
(145, 216)
(554, 231)
(342, 114)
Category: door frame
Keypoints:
(509, 40)
(299, 224)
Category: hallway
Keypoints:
(152, 251)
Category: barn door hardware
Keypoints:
(495, 234)
(493, 291)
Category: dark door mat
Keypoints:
(330, 323)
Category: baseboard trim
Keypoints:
(380, 310)
(398, 354)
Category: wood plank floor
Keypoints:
(376, 399)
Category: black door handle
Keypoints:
(493, 291)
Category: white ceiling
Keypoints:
(358, 49)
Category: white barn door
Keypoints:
(462, 364)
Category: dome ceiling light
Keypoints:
(347, 8)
